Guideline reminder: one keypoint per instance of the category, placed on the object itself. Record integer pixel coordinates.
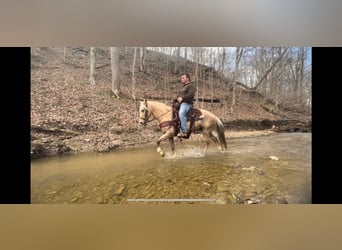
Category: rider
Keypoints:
(185, 98)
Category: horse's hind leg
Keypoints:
(172, 144)
(214, 138)
(207, 142)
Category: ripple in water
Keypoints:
(189, 151)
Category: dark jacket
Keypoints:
(188, 93)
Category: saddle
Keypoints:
(192, 116)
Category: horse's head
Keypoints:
(143, 113)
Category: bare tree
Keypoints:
(92, 65)
(276, 77)
(64, 53)
(177, 62)
(185, 58)
(238, 55)
(210, 78)
(222, 61)
(195, 53)
(114, 55)
(276, 61)
(297, 70)
(261, 66)
(142, 59)
(133, 75)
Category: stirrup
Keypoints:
(181, 134)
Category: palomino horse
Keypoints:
(210, 125)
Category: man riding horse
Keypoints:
(186, 99)
(171, 118)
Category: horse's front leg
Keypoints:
(163, 137)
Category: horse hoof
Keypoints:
(161, 153)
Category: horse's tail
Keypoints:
(220, 132)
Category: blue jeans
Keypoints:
(184, 108)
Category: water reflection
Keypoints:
(244, 174)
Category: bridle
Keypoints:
(146, 114)
(146, 120)
(145, 110)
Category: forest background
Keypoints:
(85, 99)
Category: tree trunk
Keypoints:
(184, 59)
(114, 55)
(196, 75)
(92, 66)
(301, 73)
(133, 75)
(176, 68)
(222, 61)
(64, 53)
(238, 55)
(211, 83)
(262, 69)
(142, 59)
(203, 90)
(166, 78)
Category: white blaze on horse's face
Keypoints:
(143, 113)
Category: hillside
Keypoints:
(70, 115)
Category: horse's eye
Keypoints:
(142, 110)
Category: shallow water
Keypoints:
(244, 174)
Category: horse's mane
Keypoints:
(159, 103)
